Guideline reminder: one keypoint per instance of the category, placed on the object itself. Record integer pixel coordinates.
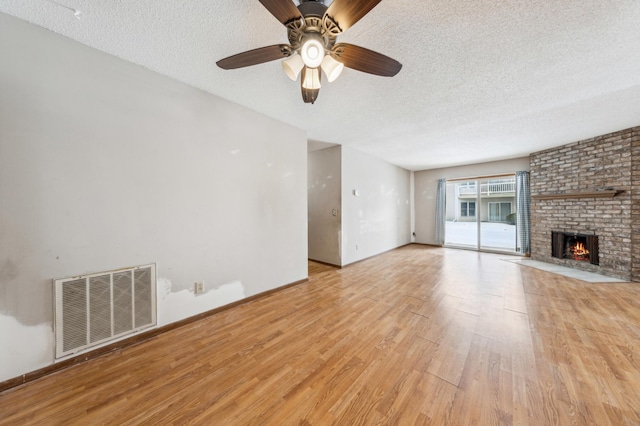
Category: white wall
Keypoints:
(426, 183)
(379, 218)
(324, 192)
(104, 164)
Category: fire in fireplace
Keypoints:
(577, 250)
(575, 246)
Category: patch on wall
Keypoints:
(24, 347)
(185, 303)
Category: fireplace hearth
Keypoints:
(575, 246)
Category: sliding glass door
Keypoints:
(461, 228)
(480, 214)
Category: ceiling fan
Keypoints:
(312, 29)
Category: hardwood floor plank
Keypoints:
(419, 335)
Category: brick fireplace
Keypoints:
(589, 188)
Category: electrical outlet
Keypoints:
(199, 287)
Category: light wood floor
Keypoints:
(419, 335)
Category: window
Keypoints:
(468, 208)
(499, 211)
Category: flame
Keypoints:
(580, 252)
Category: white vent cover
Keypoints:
(94, 309)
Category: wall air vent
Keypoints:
(94, 309)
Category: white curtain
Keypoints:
(441, 210)
(523, 213)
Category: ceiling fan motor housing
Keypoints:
(315, 24)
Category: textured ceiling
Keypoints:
(481, 80)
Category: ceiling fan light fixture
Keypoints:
(312, 52)
(332, 68)
(292, 66)
(311, 79)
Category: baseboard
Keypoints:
(427, 244)
(325, 263)
(130, 341)
(376, 255)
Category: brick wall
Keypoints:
(608, 161)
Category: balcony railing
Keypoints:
(488, 188)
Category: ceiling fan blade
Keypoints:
(365, 60)
(345, 13)
(255, 56)
(284, 10)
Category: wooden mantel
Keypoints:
(588, 194)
